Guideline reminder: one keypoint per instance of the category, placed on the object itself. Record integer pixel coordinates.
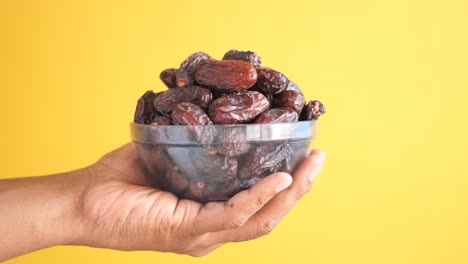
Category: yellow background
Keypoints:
(393, 75)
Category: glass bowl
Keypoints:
(212, 163)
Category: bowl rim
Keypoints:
(216, 134)
(226, 125)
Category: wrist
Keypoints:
(61, 223)
(76, 185)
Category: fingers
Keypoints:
(271, 214)
(217, 216)
(305, 176)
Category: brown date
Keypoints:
(189, 114)
(248, 56)
(277, 115)
(167, 101)
(226, 75)
(238, 108)
(145, 111)
(290, 99)
(169, 77)
(211, 176)
(187, 68)
(262, 161)
(271, 98)
(161, 121)
(233, 143)
(270, 81)
(313, 110)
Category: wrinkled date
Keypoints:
(187, 68)
(238, 108)
(271, 98)
(263, 161)
(313, 110)
(189, 114)
(277, 115)
(169, 77)
(145, 111)
(270, 81)
(161, 121)
(233, 142)
(167, 101)
(214, 167)
(226, 75)
(210, 176)
(248, 56)
(290, 99)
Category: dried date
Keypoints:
(270, 81)
(290, 99)
(169, 77)
(161, 121)
(261, 162)
(277, 115)
(214, 168)
(211, 176)
(313, 110)
(248, 56)
(167, 101)
(233, 142)
(226, 75)
(145, 111)
(187, 68)
(238, 108)
(189, 114)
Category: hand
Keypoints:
(109, 204)
(117, 210)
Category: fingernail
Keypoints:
(283, 185)
(315, 172)
(318, 161)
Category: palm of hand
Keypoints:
(123, 210)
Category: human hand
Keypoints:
(118, 210)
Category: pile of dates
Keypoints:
(235, 90)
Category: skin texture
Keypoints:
(109, 205)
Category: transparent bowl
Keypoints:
(212, 163)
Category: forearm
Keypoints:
(39, 212)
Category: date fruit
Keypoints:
(226, 75)
(238, 108)
(167, 101)
(290, 99)
(145, 111)
(313, 110)
(211, 176)
(270, 81)
(187, 68)
(263, 161)
(188, 114)
(161, 121)
(277, 115)
(248, 56)
(233, 143)
(169, 77)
